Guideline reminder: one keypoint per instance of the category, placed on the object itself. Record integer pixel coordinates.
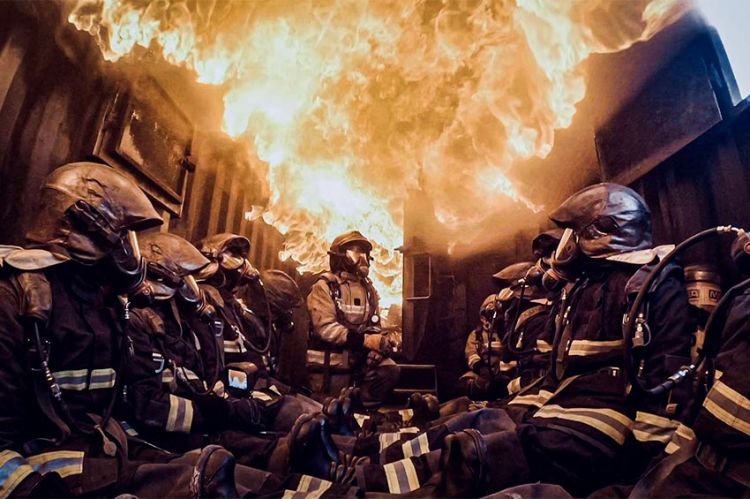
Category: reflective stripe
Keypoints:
(360, 419)
(79, 379)
(387, 439)
(128, 429)
(102, 378)
(64, 462)
(416, 446)
(318, 357)
(309, 483)
(13, 470)
(729, 406)
(352, 309)
(180, 416)
(406, 414)
(234, 346)
(496, 345)
(401, 476)
(167, 376)
(409, 429)
(535, 399)
(72, 379)
(543, 346)
(514, 386)
(683, 436)
(653, 428)
(294, 494)
(473, 359)
(608, 421)
(261, 396)
(589, 347)
(507, 366)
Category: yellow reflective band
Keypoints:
(102, 378)
(13, 470)
(74, 379)
(543, 346)
(361, 419)
(180, 417)
(167, 376)
(387, 439)
(729, 406)
(609, 422)
(514, 386)
(683, 436)
(261, 396)
(591, 347)
(653, 428)
(416, 446)
(309, 483)
(406, 414)
(64, 463)
(507, 366)
(318, 357)
(401, 476)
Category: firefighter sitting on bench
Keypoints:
(346, 345)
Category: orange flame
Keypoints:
(352, 102)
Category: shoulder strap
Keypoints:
(35, 296)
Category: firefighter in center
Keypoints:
(347, 345)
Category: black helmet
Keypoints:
(171, 253)
(608, 219)
(86, 208)
(511, 277)
(544, 244)
(340, 260)
(282, 291)
(228, 252)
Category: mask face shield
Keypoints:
(240, 267)
(562, 264)
(193, 295)
(359, 259)
(128, 267)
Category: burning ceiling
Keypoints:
(351, 103)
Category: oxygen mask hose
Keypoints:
(636, 316)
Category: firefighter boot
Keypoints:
(213, 473)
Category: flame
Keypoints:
(353, 102)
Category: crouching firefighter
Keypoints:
(346, 344)
(63, 343)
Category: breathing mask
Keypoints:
(239, 266)
(192, 295)
(358, 260)
(564, 263)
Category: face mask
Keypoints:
(240, 267)
(128, 268)
(191, 294)
(563, 263)
(358, 260)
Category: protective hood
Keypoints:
(115, 201)
(608, 219)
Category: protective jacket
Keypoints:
(341, 307)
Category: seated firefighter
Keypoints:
(346, 344)
(180, 394)
(488, 375)
(578, 425)
(63, 306)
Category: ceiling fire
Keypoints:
(352, 103)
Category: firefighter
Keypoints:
(488, 375)
(181, 395)
(346, 342)
(246, 300)
(713, 460)
(63, 307)
(575, 429)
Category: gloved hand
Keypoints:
(374, 359)
(380, 343)
(245, 414)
